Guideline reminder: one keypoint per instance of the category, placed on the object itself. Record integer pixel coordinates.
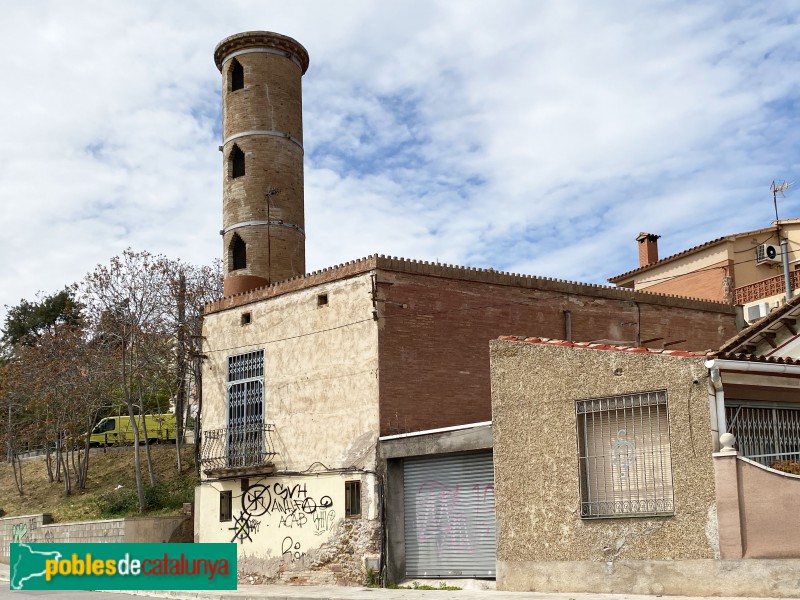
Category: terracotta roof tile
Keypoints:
(751, 332)
(600, 346)
(778, 360)
(694, 249)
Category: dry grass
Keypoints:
(107, 470)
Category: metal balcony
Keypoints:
(239, 451)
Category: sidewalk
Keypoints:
(292, 592)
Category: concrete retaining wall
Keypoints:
(40, 528)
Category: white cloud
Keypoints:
(485, 133)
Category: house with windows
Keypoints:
(756, 381)
(744, 269)
(303, 373)
(615, 469)
(302, 378)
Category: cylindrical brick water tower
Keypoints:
(263, 225)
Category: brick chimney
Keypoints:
(648, 248)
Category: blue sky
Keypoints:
(534, 137)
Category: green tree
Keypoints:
(25, 326)
(28, 321)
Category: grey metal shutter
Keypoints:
(449, 516)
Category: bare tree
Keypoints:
(128, 303)
(191, 289)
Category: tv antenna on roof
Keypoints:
(774, 188)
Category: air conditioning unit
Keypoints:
(768, 253)
(756, 311)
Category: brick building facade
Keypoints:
(303, 373)
(376, 347)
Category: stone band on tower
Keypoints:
(263, 232)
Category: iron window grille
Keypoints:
(246, 440)
(766, 433)
(624, 456)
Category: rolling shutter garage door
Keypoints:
(449, 516)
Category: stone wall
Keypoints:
(40, 528)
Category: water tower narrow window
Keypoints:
(237, 75)
(238, 253)
(237, 162)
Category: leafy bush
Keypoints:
(787, 466)
(120, 502)
(170, 496)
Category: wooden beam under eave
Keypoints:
(769, 336)
(790, 324)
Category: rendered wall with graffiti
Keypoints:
(290, 524)
(320, 397)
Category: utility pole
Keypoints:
(783, 241)
(180, 396)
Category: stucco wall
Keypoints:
(534, 389)
(321, 393)
(747, 271)
(294, 528)
(320, 372)
(758, 509)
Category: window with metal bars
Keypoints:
(246, 436)
(352, 498)
(624, 456)
(765, 432)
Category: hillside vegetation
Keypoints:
(110, 490)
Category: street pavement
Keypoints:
(292, 592)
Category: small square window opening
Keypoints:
(246, 318)
(352, 498)
(225, 506)
(322, 300)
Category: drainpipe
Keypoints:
(787, 280)
(719, 401)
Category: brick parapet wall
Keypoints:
(765, 288)
(433, 269)
(434, 336)
(39, 528)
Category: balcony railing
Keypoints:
(765, 288)
(237, 449)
